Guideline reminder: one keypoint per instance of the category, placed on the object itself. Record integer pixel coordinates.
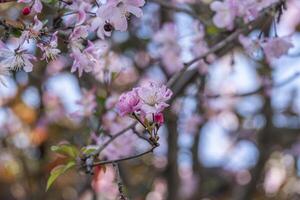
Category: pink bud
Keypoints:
(159, 118)
(26, 11)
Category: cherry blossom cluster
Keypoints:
(227, 11)
(76, 27)
(145, 104)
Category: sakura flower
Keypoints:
(37, 5)
(15, 59)
(225, 13)
(78, 10)
(128, 103)
(154, 97)
(276, 47)
(98, 23)
(33, 31)
(87, 59)
(50, 51)
(116, 12)
(75, 40)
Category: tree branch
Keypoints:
(123, 159)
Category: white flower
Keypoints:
(15, 59)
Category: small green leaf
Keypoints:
(57, 171)
(65, 149)
(88, 151)
(212, 30)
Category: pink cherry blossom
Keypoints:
(85, 60)
(50, 50)
(225, 13)
(33, 31)
(128, 103)
(154, 97)
(276, 47)
(115, 12)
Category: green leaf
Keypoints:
(88, 151)
(57, 171)
(65, 149)
(212, 30)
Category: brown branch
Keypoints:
(119, 181)
(175, 8)
(278, 85)
(123, 159)
(248, 27)
(115, 136)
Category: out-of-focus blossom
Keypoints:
(225, 13)
(191, 124)
(252, 46)
(55, 110)
(228, 10)
(104, 183)
(272, 47)
(4, 71)
(276, 47)
(168, 48)
(87, 103)
(123, 145)
(86, 60)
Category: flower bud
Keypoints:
(26, 11)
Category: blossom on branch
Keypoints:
(147, 101)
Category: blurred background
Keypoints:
(232, 132)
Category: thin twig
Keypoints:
(275, 85)
(175, 8)
(115, 136)
(123, 159)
